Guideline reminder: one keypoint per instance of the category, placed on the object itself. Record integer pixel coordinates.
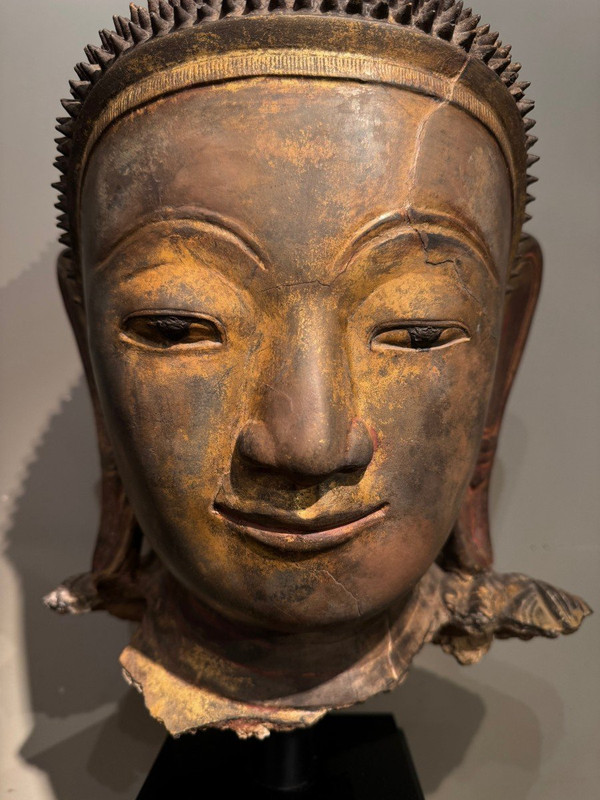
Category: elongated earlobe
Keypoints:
(111, 582)
(469, 546)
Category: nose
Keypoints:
(305, 427)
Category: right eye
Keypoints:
(169, 330)
(418, 337)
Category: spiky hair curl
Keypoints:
(447, 20)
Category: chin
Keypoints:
(308, 605)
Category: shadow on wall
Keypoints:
(92, 736)
(440, 720)
(89, 745)
(478, 734)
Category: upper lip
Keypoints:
(289, 531)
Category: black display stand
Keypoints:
(343, 757)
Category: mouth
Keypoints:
(292, 533)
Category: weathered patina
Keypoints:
(297, 275)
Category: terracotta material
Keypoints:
(298, 280)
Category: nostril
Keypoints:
(255, 445)
(296, 456)
(360, 449)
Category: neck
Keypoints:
(204, 661)
(280, 664)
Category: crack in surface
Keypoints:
(275, 390)
(422, 130)
(347, 591)
(439, 263)
(424, 239)
(465, 287)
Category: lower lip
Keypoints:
(307, 542)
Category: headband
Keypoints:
(310, 45)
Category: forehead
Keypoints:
(301, 165)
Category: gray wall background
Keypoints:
(523, 723)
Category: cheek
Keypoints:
(385, 565)
(171, 420)
(427, 410)
(172, 415)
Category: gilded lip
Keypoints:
(294, 534)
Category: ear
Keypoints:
(469, 546)
(118, 544)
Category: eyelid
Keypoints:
(192, 316)
(381, 327)
(201, 316)
(170, 312)
(404, 325)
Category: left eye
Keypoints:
(167, 330)
(418, 337)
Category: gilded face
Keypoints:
(294, 293)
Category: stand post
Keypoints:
(286, 761)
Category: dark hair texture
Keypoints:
(447, 20)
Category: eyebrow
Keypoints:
(393, 223)
(193, 214)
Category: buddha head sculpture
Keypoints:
(296, 271)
